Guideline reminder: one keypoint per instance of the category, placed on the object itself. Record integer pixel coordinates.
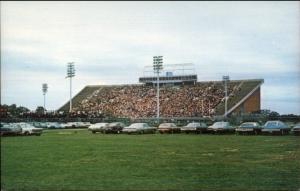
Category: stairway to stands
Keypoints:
(244, 89)
(84, 93)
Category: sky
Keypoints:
(111, 42)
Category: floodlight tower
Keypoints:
(157, 67)
(225, 81)
(44, 89)
(70, 74)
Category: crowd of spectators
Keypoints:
(139, 101)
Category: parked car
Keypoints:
(78, 124)
(10, 129)
(221, 127)
(296, 129)
(115, 127)
(67, 125)
(97, 127)
(43, 125)
(28, 129)
(140, 128)
(54, 125)
(168, 128)
(249, 128)
(194, 128)
(275, 127)
(83, 124)
(39, 124)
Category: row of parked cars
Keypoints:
(36, 128)
(273, 127)
(56, 125)
(19, 129)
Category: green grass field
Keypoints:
(65, 160)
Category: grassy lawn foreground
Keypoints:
(65, 160)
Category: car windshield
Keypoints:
(248, 125)
(220, 124)
(114, 124)
(135, 125)
(271, 124)
(167, 125)
(26, 125)
(4, 126)
(98, 125)
(193, 124)
(297, 125)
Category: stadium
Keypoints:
(218, 107)
(181, 96)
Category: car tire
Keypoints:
(281, 132)
(26, 133)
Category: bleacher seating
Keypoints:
(85, 92)
(139, 101)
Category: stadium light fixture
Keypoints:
(225, 80)
(45, 90)
(157, 67)
(70, 74)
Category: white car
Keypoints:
(222, 127)
(10, 129)
(66, 125)
(28, 129)
(97, 127)
(79, 124)
(40, 124)
(43, 125)
(85, 124)
(140, 128)
(296, 129)
(54, 125)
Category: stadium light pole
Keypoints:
(44, 89)
(225, 80)
(208, 107)
(202, 107)
(157, 67)
(70, 74)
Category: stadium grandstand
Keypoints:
(181, 95)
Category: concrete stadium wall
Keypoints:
(251, 104)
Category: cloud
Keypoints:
(111, 42)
